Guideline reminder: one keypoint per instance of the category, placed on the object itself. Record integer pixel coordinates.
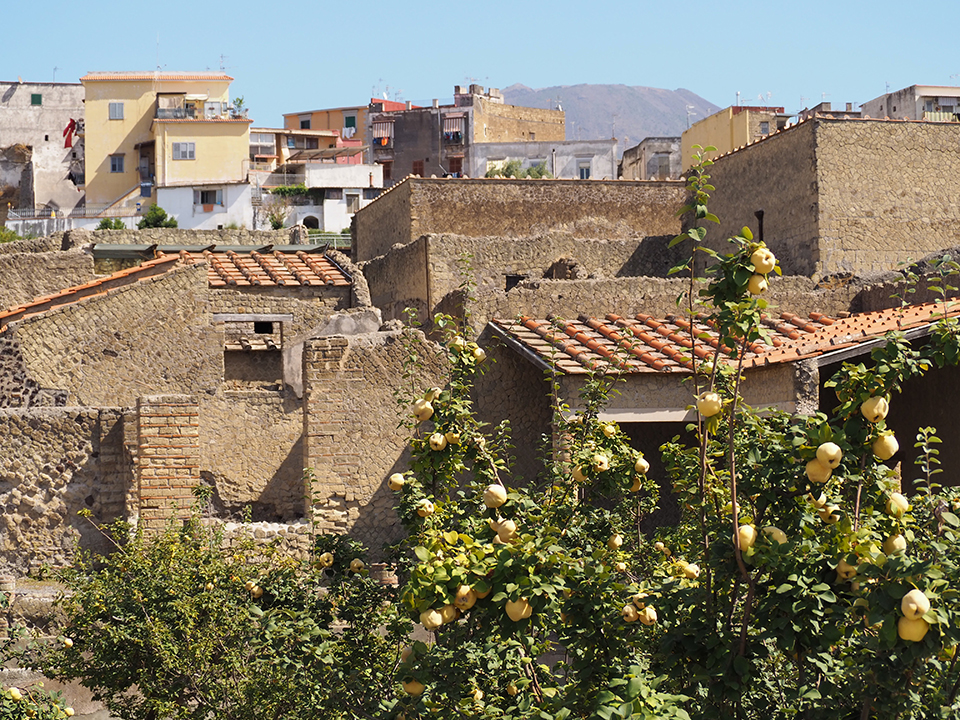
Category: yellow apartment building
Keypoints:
(167, 138)
(729, 129)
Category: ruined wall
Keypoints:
(508, 208)
(310, 306)
(383, 223)
(399, 280)
(888, 192)
(25, 276)
(181, 236)
(267, 472)
(56, 462)
(148, 338)
(779, 176)
(352, 442)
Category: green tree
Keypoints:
(115, 224)
(156, 217)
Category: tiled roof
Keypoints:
(95, 288)
(267, 269)
(645, 344)
(224, 269)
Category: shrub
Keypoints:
(112, 224)
(156, 217)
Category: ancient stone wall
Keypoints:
(384, 223)
(889, 192)
(25, 276)
(352, 442)
(310, 306)
(148, 338)
(510, 208)
(498, 122)
(56, 462)
(399, 280)
(779, 176)
(267, 471)
(180, 236)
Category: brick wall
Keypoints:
(168, 462)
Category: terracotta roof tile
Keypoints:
(647, 344)
(224, 269)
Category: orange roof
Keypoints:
(224, 269)
(267, 269)
(645, 344)
(165, 76)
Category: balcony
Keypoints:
(453, 138)
(181, 113)
(383, 143)
(939, 116)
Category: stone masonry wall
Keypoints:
(498, 122)
(168, 463)
(148, 338)
(310, 306)
(385, 222)
(889, 192)
(517, 209)
(25, 276)
(180, 236)
(399, 280)
(352, 442)
(267, 471)
(54, 463)
(779, 176)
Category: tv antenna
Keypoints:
(223, 64)
(55, 68)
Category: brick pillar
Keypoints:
(331, 430)
(168, 462)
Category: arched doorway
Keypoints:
(311, 223)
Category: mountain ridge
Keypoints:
(628, 112)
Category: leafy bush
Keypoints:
(113, 224)
(7, 235)
(174, 626)
(156, 217)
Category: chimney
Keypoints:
(409, 105)
(436, 103)
(849, 107)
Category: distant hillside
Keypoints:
(595, 112)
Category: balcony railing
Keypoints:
(939, 116)
(82, 211)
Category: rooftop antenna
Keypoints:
(803, 102)
(55, 68)
(691, 110)
(738, 98)
(223, 65)
(887, 83)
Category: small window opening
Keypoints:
(263, 327)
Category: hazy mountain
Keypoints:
(629, 113)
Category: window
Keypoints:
(208, 197)
(36, 99)
(583, 169)
(455, 166)
(304, 122)
(418, 167)
(312, 143)
(116, 111)
(333, 194)
(353, 202)
(116, 163)
(764, 128)
(350, 121)
(387, 171)
(371, 193)
(184, 151)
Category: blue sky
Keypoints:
(295, 55)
